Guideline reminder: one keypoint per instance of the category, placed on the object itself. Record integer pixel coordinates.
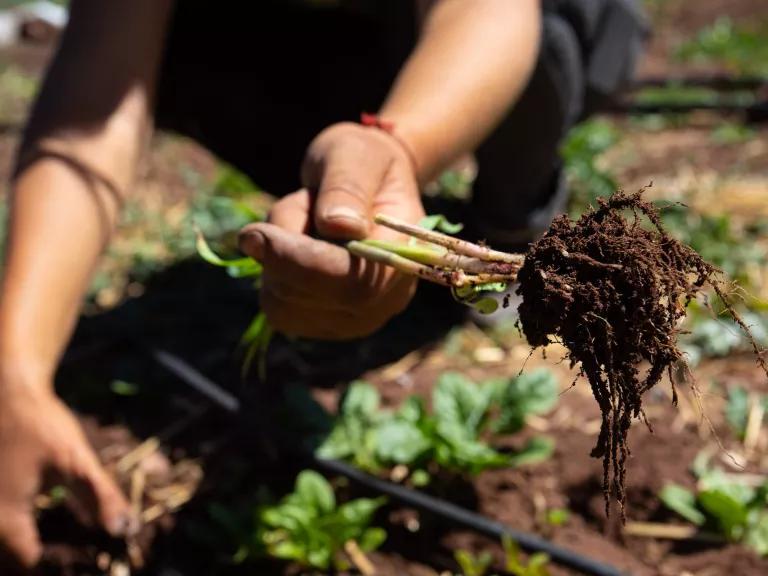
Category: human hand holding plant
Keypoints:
(312, 287)
(41, 440)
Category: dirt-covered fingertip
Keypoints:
(252, 241)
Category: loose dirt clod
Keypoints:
(612, 288)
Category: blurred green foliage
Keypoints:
(453, 436)
(724, 504)
(680, 94)
(581, 153)
(743, 49)
(309, 526)
(718, 240)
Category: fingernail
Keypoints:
(345, 214)
(252, 243)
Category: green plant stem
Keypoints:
(456, 245)
(399, 263)
(432, 257)
(451, 276)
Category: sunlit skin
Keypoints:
(88, 131)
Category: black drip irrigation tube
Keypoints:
(447, 511)
(467, 519)
(755, 110)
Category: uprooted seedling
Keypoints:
(612, 287)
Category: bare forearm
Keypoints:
(58, 227)
(472, 62)
(75, 167)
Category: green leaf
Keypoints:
(682, 501)
(256, 340)
(336, 446)
(467, 455)
(354, 433)
(458, 403)
(558, 516)
(360, 512)
(320, 557)
(287, 515)
(512, 554)
(537, 564)
(485, 305)
(400, 442)
(371, 539)
(412, 410)
(440, 223)
(232, 182)
(237, 267)
(717, 480)
(756, 536)
(730, 514)
(288, 550)
(538, 449)
(534, 392)
(315, 491)
(472, 565)
(361, 400)
(420, 478)
(476, 296)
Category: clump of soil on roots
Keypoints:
(612, 287)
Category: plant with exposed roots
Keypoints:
(612, 287)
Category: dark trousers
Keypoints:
(254, 82)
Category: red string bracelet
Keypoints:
(375, 121)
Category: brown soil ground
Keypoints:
(163, 481)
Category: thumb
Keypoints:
(18, 533)
(350, 175)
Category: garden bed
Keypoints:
(199, 475)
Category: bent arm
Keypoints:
(473, 60)
(76, 165)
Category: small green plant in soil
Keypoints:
(724, 504)
(557, 516)
(537, 564)
(453, 436)
(514, 563)
(742, 49)
(310, 528)
(734, 250)
(581, 153)
(473, 564)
